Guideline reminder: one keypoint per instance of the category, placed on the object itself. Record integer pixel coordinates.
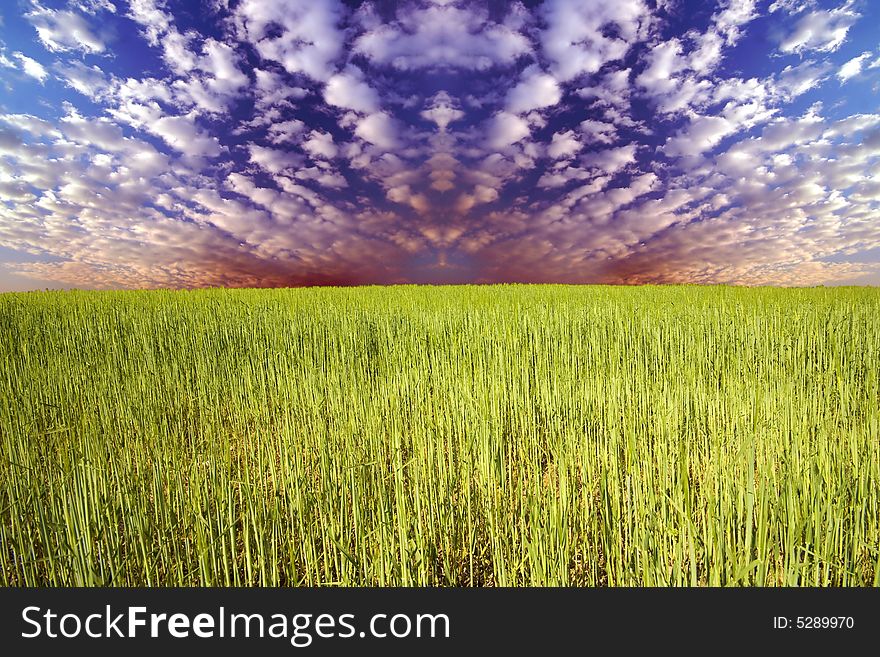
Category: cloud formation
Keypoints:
(297, 142)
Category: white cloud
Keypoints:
(403, 194)
(725, 30)
(150, 15)
(577, 39)
(220, 80)
(853, 67)
(176, 50)
(272, 159)
(285, 131)
(93, 7)
(308, 39)
(180, 132)
(505, 129)
(535, 90)
(443, 35)
(349, 90)
(183, 135)
(562, 176)
(320, 144)
(702, 133)
(442, 110)
(101, 133)
(220, 62)
(61, 31)
(31, 124)
(563, 145)
(611, 160)
(481, 194)
(612, 90)
(332, 179)
(733, 14)
(796, 80)
(87, 80)
(599, 131)
(664, 62)
(820, 30)
(378, 129)
(708, 53)
(31, 67)
(790, 6)
(272, 89)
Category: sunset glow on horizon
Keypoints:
(275, 143)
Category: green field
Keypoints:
(468, 436)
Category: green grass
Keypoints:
(506, 435)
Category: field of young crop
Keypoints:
(504, 435)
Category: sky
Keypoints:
(276, 143)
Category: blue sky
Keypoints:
(155, 143)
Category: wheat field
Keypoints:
(441, 436)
